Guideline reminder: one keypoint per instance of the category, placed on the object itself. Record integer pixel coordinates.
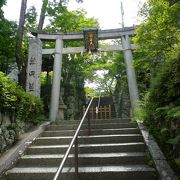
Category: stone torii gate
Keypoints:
(35, 61)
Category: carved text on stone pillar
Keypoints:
(34, 67)
(32, 60)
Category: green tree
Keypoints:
(68, 21)
(44, 11)
(7, 45)
(7, 39)
(159, 34)
(31, 19)
(2, 3)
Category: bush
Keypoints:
(162, 109)
(17, 103)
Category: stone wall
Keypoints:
(10, 131)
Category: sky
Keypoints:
(107, 12)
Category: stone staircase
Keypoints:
(114, 151)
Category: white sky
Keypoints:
(107, 11)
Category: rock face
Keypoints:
(7, 138)
(10, 131)
(2, 142)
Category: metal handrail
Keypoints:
(59, 170)
(99, 100)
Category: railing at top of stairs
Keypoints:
(74, 142)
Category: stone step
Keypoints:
(115, 150)
(93, 132)
(89, 148)
(94, 159)
(125, 172)
(98, 121)
(96, 139)
(93, 126)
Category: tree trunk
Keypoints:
(19, 56)
(42, 15)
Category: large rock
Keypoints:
(8, 137)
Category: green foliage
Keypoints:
(139, 113)
(164, 131)
(15, 102)
(159, 33)
(104, 69)
(31, 19)
(2, 2)
(143, 72)
(39, 119)
(7, 45)
(29, 108)
(163, 97)
(177, 160)
(174, 141)
(162, 107)
(165, 86)
(149, 159)
(4, 177)
(174, 112)
(68, 21)
(90, 91)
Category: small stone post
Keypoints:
(33, 82)
(62, 107)
(55, 92)
(132, 83)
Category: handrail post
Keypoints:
(76, 159)
(89, 123)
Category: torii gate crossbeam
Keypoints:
(76, 36)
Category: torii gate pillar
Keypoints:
(55, 92)
(132, 83)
